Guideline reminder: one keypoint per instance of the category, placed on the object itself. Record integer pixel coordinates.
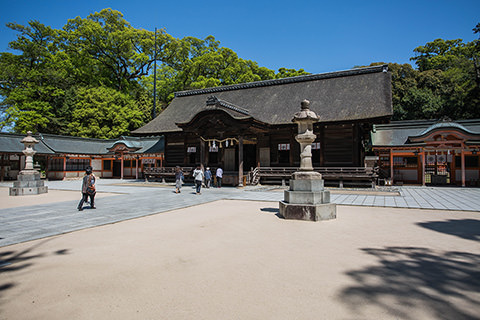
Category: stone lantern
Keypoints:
(29, 142)
(306, 199)
(305, 120)
(28, 180)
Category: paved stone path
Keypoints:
(135, 199)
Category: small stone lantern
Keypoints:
(29, 142)
(306, 199)
(28, 180)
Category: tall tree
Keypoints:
(57, 75)
(117, 53)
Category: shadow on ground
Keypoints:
(463, 228)
(273, 210)
(408, 280)
(12, 261)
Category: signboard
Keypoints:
(316, 146)
(191, 149)
(284, 146)
(148, 161)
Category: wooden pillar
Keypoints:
(64, 167)
(202, 153)
(391, 165)
(121, 165)
(47, 167)
(292, 143)
(463, 167)
(322, 145)
(423, 167)
(240, 161)
(136, 167)
(185, 154)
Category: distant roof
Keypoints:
(356, 94)
(397, 133)
(10, 143)
(56, 144)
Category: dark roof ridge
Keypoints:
(213, 100)
(272, 82)
(39, 134)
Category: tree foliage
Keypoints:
(446, 82)
(94, 76)
(84, 78)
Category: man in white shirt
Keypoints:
(219, 175)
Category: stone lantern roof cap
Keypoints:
(305, 113)
(29, 139)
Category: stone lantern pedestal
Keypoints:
(28, 180)
(306, 199)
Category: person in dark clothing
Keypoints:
(178, 179)
(88, 189)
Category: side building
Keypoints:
(61, 157)
(423, 152)
(246, 126)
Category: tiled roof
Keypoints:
(397, 133)
(337, 96)
(56, 144)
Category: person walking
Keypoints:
(219, 175)
(88, 189)
(208, 177)
(179, 177)
(198, 175)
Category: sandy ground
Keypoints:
(7, 201)
(239, 260)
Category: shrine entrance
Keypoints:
(216, 138)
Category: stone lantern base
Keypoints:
(307, 199)
(28, 183)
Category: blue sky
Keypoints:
(318, 36)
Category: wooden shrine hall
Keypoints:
(246, 126)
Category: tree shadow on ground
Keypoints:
(463, 228)
(12, 261)
(409, 279)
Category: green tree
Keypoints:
(104, 112)
(117, 54)
(459, 86)
(56, 78)
(285, 73)
(33, 82)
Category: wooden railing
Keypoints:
(165, 172)
(352, 175)
(337, 175)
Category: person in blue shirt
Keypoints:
(208, 177)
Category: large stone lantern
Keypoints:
(28, 180)
(306, 199)
(305, 120)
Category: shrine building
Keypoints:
(246, 126)
(423, 152)
(64, 157)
